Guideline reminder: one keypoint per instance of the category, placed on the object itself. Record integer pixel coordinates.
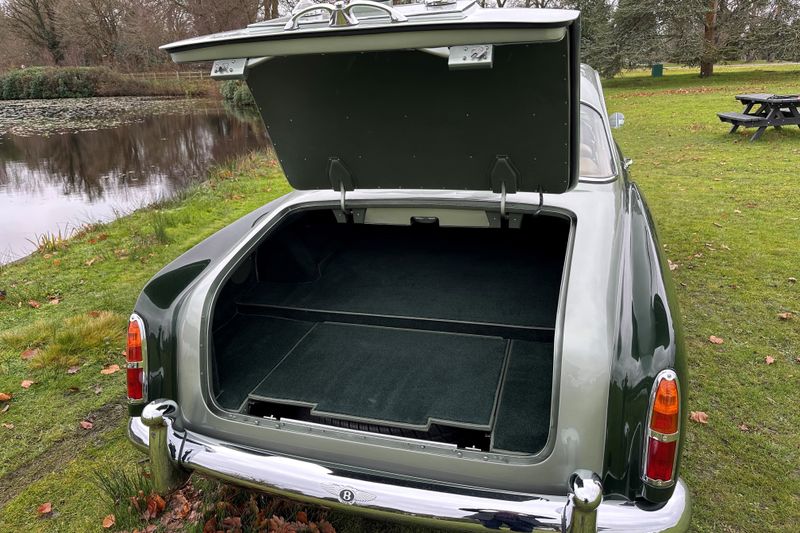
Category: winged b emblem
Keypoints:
(348, 495)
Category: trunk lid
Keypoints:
(412, 97)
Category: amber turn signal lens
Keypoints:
(666, 408)
(134, 351)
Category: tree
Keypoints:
(36, 22)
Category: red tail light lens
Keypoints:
(135, 356)
(661, 459)
(663, 431)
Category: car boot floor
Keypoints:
(391, 376)
(442, 275)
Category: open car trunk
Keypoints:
(414, 328)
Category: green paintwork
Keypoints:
(650, 340)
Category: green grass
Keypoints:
(728, 216)
(727, 213)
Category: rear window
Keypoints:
(596, 160)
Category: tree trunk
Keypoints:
(709, 39)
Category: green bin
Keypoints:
(657, 70)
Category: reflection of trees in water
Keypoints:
(172, 150)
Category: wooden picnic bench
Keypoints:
(770, 110)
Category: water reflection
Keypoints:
(52, 182)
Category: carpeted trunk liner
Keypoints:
(398, 377)
(444, 274)
(395, 376)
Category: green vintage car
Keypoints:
(461, 318)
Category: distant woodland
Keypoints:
(617, 34)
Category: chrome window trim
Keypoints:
(610, 140)
(143, 364)
(670, 375)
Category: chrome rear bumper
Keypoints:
(394, 499)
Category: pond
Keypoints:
(53, 182)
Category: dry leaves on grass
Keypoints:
(713, 339)
(109, 521)
(45, 509)
(698, 416)
(5, 396)
(744, 427)
(786, 315)
(110, 369)
(29, 354)
(85, 424)
(54, 300)
(672, 266)
(73, 369)
(34, 304)
(7, 425)
(26, 383)
(769, 359)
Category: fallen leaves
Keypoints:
(85, 424)
(698, 416)
(26, 383)
(109, 521)
(2, 295)
(91, 261)
(7, 425)
(713, 339)
(110, 369)
(29, 354)
(786, 315)
(34, 304)
(672, 266)
(73, 369)
(4, 396)
(98, 389)
(769, 360)
(45, 509)
(54, 300)
(155, 504)
(744, 427)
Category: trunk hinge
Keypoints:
(341, 180)
(503, 176)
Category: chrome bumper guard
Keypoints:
(581, 511)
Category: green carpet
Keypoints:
(393, 375)
(465, 274)
(247, 349)
(523, 416)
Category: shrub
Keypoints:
(237, 94)
(82, 82)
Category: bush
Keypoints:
(45, 82)
(82, 82)
(237, 94)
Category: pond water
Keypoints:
(57, 182)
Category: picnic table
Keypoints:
(764, 110)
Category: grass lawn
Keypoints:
(729, 218)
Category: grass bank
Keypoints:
(82, 82)
(728, 220)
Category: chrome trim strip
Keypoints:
(411, 501)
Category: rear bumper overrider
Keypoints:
(174, 450)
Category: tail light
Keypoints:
(136, 357)
(663, 431)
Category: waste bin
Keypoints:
(657, 70)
